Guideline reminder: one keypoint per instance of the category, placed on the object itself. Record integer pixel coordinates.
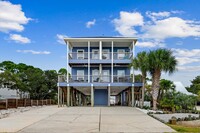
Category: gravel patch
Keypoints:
(16, 111)
(167, 117)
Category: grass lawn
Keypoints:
(180, 128)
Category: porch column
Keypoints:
(88, 61)
(132, 96)
(63, 97)
(112, 54)
(133, 56)
(92, 95)
(68, 95)
(67, 61)
(108, 94)
(100, 50)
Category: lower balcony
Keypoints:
(96, 79)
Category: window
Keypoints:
(80, 75)
(121, 53)
(106, 76)
(121, 73)
(95, 54)
(95, 75)
(121, 76)
(80, 54)
(105, 54)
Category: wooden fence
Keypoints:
(14, 103)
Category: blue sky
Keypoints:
(31, 31)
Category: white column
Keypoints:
(88, 61)
(68, 95)
(132, 96)
(133, 56)
(92, 95)
(108, 94)
(112, 54)
(100, 50)
(67, 61)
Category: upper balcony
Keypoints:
(96, 57)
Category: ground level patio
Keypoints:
(82, 119)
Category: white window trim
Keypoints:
(121, 75)
(94, 75)
(108, 51)
(80, 76)
(93, 53)
(78, 53)
(118, 57)
(106, 75)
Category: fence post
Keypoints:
(24, 102)
(16, 103)
(37, 102)
(42, 102)
(6, 103)
(31, 102)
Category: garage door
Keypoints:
(100, 97)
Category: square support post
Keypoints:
(68, 95)
(112, 56)
(132, 96)
(109, 95)
(88, 61)
(92, 96)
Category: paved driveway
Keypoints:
(88, 119)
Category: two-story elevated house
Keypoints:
(99, 72)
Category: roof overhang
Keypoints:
(116, 40)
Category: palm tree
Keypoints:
(140, 62)
(160, 60)
(165, 86)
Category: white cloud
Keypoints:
(186, 60)
(89, 24)
(19, 39)
(185, 56)
(150, 44)
(187, 52)
(161, 26)
(172, 27)
(33, 52)
(60, 38)
(127, 22)
(12, 18)
(189, 68)
(157, 15)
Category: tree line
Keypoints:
(39, 84)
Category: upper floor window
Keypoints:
(80, 75)
(105, 54)
(80, 54)
(95, 54)
(120, 53)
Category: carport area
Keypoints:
(99, 96)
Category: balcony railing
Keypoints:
(95, 55)
(95, 78)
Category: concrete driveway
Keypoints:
(84, 119)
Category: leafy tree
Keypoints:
(140, 62)
(62, 71)
(160, 60)
(195, 86)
